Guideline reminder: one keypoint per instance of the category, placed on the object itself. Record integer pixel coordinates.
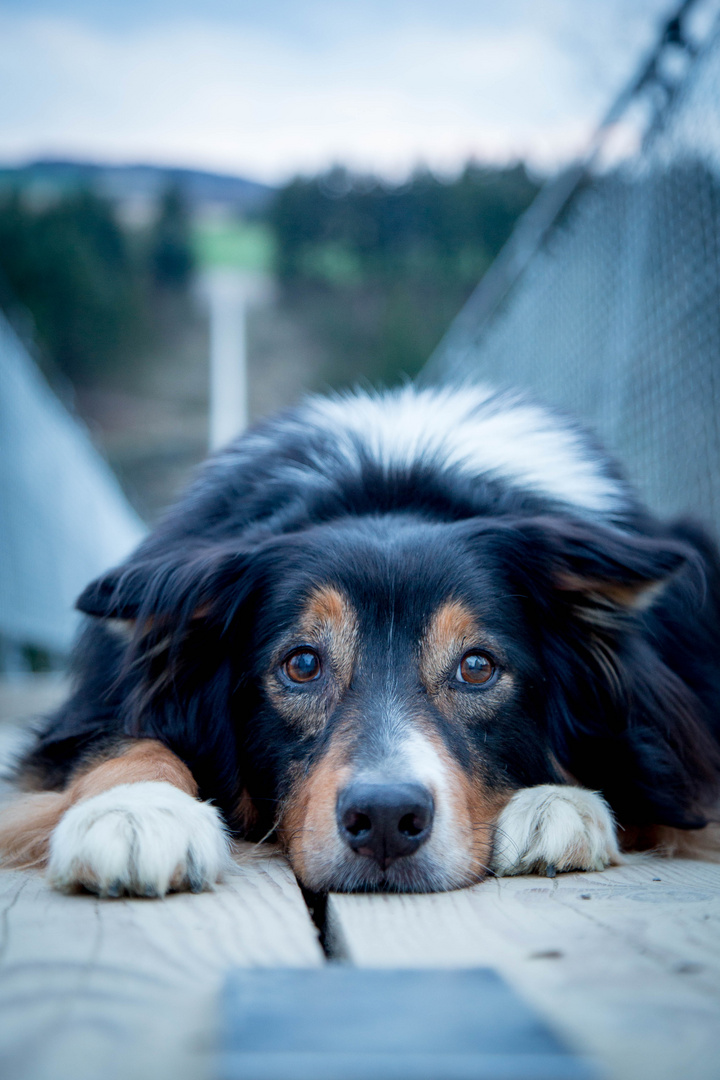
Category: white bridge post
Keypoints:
(228, 292)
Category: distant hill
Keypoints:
(136, 184)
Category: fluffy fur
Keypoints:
(385, 539)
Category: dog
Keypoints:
(416, 636)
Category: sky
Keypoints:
(270, 88)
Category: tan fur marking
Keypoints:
(452, 628)
(245, 814)
(26, 824)
(25, 827)
(307, 823)
(326, 606)
(329, 623)
(452, 622)
(145, 759)
(669, 843)
(564, 773)
(637, 596)
(329, 615)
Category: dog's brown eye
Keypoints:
(301, 666)
(475, 668)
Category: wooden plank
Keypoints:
(128, 989)
(625, 964)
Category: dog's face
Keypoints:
(377, 688)
(395, 668)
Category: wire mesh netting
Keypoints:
(606, 302)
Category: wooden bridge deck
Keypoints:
(624, 965)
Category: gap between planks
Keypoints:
(128, 988)
(625, 967)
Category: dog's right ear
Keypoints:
(118, 594)
(180, 585)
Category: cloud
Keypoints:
(238, 97)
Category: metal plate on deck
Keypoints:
(343, 1023)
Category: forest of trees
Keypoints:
(372, 272)
(90, 286)
(377, 271)
(341, 228)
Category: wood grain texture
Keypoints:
(128, 989)
(625, 966)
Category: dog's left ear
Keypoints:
(620, 569)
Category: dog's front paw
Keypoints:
(552, 828)
(141, 839)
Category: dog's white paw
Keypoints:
(554, 828)
(141, 839)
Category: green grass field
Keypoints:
(241, 244)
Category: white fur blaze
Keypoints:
(476, 430)
(142, 839)
(551, 826)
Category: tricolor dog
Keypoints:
(419, 637)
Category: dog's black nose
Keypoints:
(385, 821)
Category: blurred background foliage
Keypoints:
(73, 268)
(377, 271)
(90, 285)
(373, 270)
(103, 268)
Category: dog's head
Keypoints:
(376, 688)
